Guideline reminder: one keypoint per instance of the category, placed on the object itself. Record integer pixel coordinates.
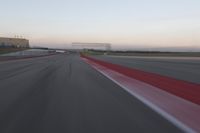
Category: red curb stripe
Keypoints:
(187, 90)
(182, 113)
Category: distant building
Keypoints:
(14, 42)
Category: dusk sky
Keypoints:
(124, 23)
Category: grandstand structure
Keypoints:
(14, 42)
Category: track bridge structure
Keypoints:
(79, 45)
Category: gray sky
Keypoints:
(125, 23)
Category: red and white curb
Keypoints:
(182, 113)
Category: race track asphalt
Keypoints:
(63, 94)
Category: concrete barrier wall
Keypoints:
(29, 52)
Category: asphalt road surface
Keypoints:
(182, 68)
(63, 94)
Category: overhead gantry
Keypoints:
(106, 46)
